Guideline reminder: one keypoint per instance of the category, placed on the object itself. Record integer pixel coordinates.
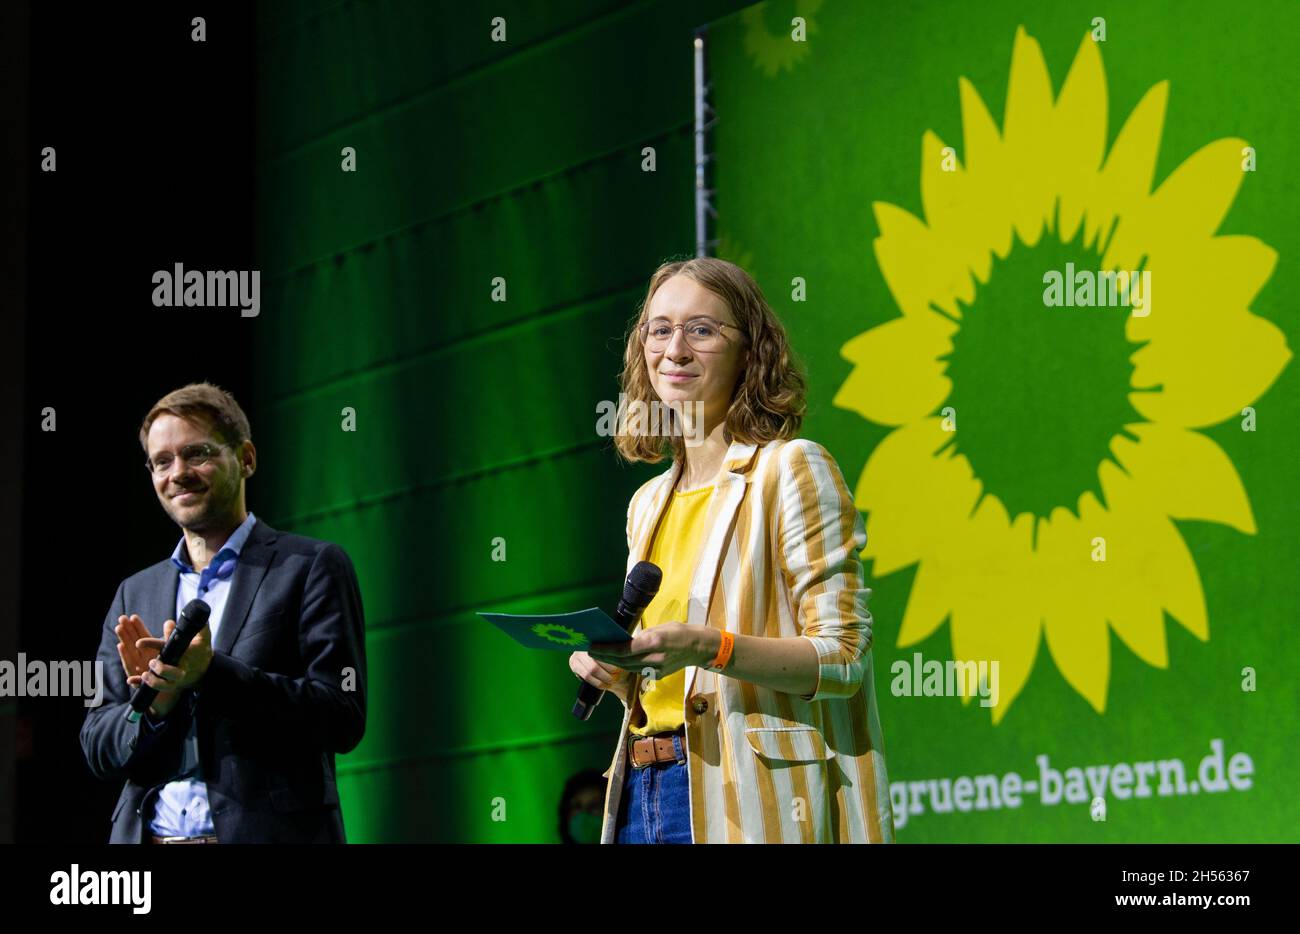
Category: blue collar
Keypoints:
(223, 563)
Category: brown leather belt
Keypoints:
(207, 838)
(647, 750)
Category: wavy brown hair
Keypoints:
(768, 401)
(207, 401)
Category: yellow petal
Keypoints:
(1210, 354)
(1209, 373)
(1146, 570)
(1147, 558)
(987, 177)
(957, 214)
(1075, 593)
(1185, 474)
(920, 273)
(927, 606)
(1028, 149)
(1130, 168)
(985, 562)
(914, 497)
(1200, 282)
(1079, 125)
(898, 377)
(1196, 197)
(1187, 208)
(980, 135)
(941, 188)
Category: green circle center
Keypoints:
(1039, 389)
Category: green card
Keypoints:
(559, 632)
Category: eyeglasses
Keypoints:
(702, 334)
(196, 455)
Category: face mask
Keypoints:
(584, 827)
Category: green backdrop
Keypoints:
(475, 419)
(1100, 501)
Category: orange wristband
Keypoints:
(724, 652)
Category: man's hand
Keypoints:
(665, 648)
(140, 659)
(135, 660)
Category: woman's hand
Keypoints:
(595, 673)
(664, 649)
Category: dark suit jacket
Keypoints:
(272, 709)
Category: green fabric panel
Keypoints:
(458, 799)
(343, 62)
(594, 92)
(539, 402)
(431, 286)
(475, 419)
(426, 550)
(484, 660)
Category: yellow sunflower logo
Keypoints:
(776, 51)
(1040, 453)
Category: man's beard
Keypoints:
(218, 505)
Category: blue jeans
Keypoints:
(656, 804)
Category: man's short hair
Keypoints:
(212, 403)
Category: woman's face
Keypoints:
(680, 372)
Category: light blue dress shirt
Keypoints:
(181, 808)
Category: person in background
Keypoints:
(581, 806)
(239, 745)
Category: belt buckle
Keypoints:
(656, 759)
(654, 753)
(632, 759)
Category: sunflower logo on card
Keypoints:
(561, 635)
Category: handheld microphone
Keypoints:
(639, 589)
(193, 618)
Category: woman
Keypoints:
(750, 712)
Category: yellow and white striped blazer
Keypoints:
(779, 559)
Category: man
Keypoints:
(239, 745)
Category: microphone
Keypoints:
(639, 589)
(193, 618)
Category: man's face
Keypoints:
(197, 497)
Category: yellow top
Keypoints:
(676, 552)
